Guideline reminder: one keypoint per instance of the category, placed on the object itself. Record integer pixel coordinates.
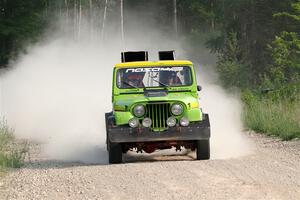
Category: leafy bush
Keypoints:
(12, 154)
(234, 71)
(286, 57)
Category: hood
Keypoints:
(129, 99)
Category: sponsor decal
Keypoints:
(153, 69)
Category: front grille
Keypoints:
(158, 113)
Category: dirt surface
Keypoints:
(271, 172)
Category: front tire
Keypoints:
(203, 149)
(115, 153)
(109, 121)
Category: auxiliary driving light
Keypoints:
(184, 121)
(147, 122)
(133, 123)
(171, 121)
(139, 110)
(177, 109)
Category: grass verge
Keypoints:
(280, 118)
(12, 153)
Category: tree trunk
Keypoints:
(91, 19)
(175, 17)
(75, 20)
(104, 20)
(212, 23)
(122, 21)
(79, 19)
(66, 9)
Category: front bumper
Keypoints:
(195, 131)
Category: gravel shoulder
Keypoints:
(271, 172)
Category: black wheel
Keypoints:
(109, 120)
(203, 149)
(115, 152)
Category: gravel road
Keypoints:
(271, 172)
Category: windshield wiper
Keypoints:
(157, 81)
(125, 82)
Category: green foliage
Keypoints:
(285, 92)
(293, 15)
(272, 117)
(254, 27)
(286, 56)
(12, 154)
(20, 21)
(197, 15)
(257, 51)
(233, 72)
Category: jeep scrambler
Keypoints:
(155, 106)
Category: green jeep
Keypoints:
(155, 106)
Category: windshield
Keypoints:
(154, 77)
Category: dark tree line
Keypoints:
(257, 41)
(23, 22)
(19, 23)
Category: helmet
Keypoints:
(173, 74)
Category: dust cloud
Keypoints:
(225, 111)
(57, 93)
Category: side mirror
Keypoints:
(199, 88)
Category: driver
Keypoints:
(173, 79)
(136, 80)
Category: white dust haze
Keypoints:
(57, 94)
(225, 111)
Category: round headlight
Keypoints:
(147, 122)
(171, 121)
(184, 121)
(177, 109)
(139, 110)
(133, 123)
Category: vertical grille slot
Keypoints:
(158, 113)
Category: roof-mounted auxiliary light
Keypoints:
(166, 55)
(133, 56)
